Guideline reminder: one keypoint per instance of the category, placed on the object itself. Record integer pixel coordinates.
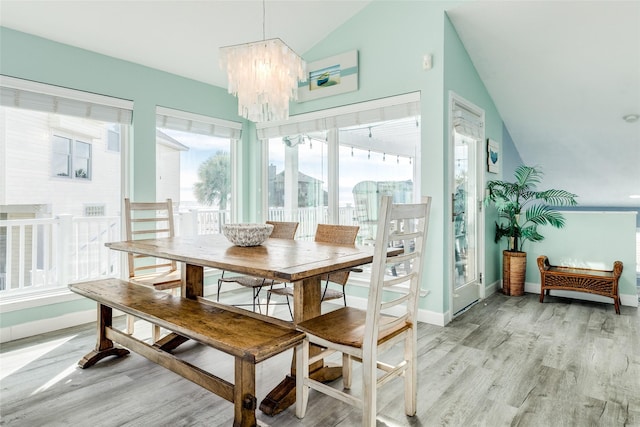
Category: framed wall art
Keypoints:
(493, 156)
(330, 76)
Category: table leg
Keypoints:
(306, 305)
(192, 281)
(104, 346)
(192, 288)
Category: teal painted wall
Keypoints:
(462, 78)
(510, 155)
(589, 240)
(391, 38)
(33, 58)
(43, 313)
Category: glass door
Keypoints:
(466, 137)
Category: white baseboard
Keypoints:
(425, 316)
(29, 329)
(492, 288)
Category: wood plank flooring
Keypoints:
(508, 361)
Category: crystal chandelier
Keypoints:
(264, 76)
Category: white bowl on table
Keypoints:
(246, 234)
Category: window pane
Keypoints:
(60, 164)
(51, 142)
(61, 158)
(81, 168)
(82, 149)
(298, 183)
(61, 145)
(194, 170)
(376, 159)
(373, 159)
(82, 160)
(465, 211)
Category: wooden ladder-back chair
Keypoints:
(327, 233)
(364, 336)
(147, 220)
(281, 230)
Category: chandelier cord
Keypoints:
(264, 13)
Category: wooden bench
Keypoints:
(599, 282)
(249, 337)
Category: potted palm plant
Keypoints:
(521, 209)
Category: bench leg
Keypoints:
(104, 346)
(244, 399)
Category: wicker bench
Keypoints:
(598, 282)
(249, 337)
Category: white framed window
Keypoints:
(196, 168)
(49, 237)
(71, 158)
(332, 166)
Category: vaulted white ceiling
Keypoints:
(562, 73)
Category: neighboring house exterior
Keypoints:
(168, 152)
(54, 165)
(62, 165)
(39, 181)
(58, 165)
(310, 192)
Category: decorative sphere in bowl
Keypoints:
(247, 234)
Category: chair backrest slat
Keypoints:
(394, 281)
(146, 220)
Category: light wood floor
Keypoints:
(508, 361)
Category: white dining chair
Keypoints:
(390, 319)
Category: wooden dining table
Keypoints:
(299, 262)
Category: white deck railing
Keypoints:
(45, 253)
(49, 253)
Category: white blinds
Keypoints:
(189, 122)
(357, 114)
(467, 123)
(54, 99)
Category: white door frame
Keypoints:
(480, 168)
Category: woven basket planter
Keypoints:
(514, 267)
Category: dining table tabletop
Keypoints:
(299, 262)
